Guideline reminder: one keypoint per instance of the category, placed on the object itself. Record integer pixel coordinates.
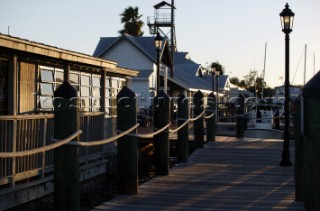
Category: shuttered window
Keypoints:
(27, 88)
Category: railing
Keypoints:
(27, 143)
(27, 132)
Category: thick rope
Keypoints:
(194, 119)
(149, 135)
(105, 141)
(41, 149)
(178, 128)
(210, 116)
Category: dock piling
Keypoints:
(198, 128)
(161, 140)
(211, 124)
(66, 157)
(127, 145)
(183, 133)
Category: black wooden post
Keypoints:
(66, 157)
(298, 167)
(240, 120)
(183, 133)
(311, 143)
(161, 140)
(127, 145)
(198, 124)
(211, 125)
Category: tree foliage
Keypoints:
(250, 78)
(218, 67)
(132, 23)
(253, 84)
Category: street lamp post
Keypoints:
(215, 74)
(287, 17)
(158, 43)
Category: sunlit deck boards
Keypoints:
(229, 174)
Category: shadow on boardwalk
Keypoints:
(230, 174)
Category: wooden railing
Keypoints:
(27, 132)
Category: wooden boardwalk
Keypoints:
(228, 174)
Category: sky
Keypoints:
(231, 32)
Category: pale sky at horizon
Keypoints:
(232, 32)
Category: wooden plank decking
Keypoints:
(229, 174)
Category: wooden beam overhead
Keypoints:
(62, 54)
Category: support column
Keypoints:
(240, 119)
(183, 133)
(211, 124)
(298, 167)
(311, 143)
(12, 85)
(66, 157)
(198, 128)
(161, 140)
(127, 145)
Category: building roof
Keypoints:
(185, 69)
(145, 44)
(223, 79)
(161, 4)
(184, 76)
(36, 48)
(182, 58)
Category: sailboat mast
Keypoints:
(264, 69)
(314, 63)
(305, 64)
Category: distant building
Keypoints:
(294, 91)
(30, 72)
(138, 53)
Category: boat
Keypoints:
(263, 118)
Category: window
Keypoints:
(108, 97)
(87, 85)
(115, 85)
(47, 75)
(59, 77)
(95, 93)
(47, 87)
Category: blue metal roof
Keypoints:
(222, 80)
(184, 73)
(145, 44)
(185, 69)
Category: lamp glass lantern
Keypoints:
(286, 17)
(158, 42)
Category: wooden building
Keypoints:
(29, 74)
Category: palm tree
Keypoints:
(132, 23)
(218, 67)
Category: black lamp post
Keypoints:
(287, 17)
(158, 43)
(213, 70)
(215, 74)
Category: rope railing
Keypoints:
(149, 135)
(59, 143)
(41, 149)
(186, 122)
(194, 119)
(210, 116)
(105, 141)
(178, 128)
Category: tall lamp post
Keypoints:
(286, 17)
(215, 74)
(158, 43)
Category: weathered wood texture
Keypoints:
(229, 174)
